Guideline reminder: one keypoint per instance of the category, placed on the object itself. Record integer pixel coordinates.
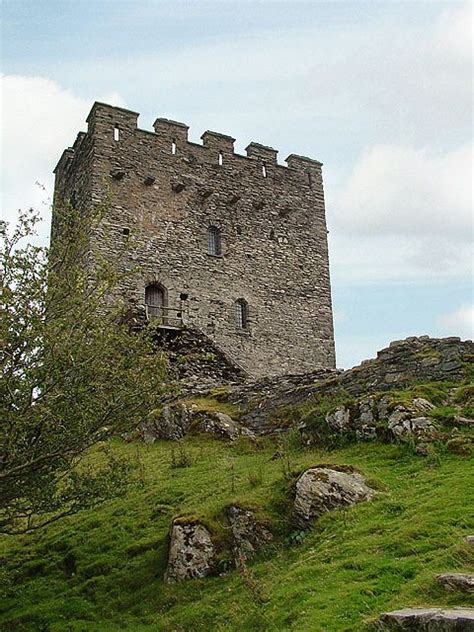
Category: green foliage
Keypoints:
(72, 374)
(444, 414)
(196, 357)
(255, 476)
(180, 456)
(308, 421)
(102, 569)
(212, 405)
(435, 392)
(465, 395)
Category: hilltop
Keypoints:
(402, 422)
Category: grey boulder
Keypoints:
(429, 620)
(457, 582)
(321, 489)
(191, 552)
(248, 533)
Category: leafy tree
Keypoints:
(73, 375)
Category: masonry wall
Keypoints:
(273, 231)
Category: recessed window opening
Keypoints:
(220, 159)
(310, 180)
(264, 170)
(126, 231)
(173, 147)
(241, 314)
(214, 241)
(116, 133)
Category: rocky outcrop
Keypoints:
(174, 421)
(372, 416)
(170, 422)
(261, 399)
(457, 582)
(417, 428)
(221, 426)
(403, 363)
(459, 420)
(421, 359)
(191, 552)
(323, 488)
(429, 620)
(248, 533)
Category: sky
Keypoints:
(380, 92)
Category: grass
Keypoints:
(102, 570)
(212, 405)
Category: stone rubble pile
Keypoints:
(371, 417)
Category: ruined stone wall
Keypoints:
(166, 192)
(402, 364)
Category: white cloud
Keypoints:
(459, 322)
(452, 33)
(384, 258)
(39, 119)
(400, 190)
(375, 81)
(403, 213)
(398, 209)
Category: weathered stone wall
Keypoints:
(272, 223)
(415, 359)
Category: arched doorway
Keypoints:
(155, 302)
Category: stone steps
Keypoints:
(429, 620)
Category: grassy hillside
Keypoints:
(102, 570)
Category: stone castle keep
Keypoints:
(234, 246)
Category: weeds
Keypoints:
(180, 457)
(255, 477)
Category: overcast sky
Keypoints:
(380, 92)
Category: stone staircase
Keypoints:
(457, 619)
(196, 361)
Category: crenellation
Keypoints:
(303, 163)
(220, 144)
(172, 132)
(79, 138)
(271, 226)
(65, 159)
(267, 154)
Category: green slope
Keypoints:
(102, 570)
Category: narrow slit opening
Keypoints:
(173, 147)
(116, 133)
(264, 170)
(220, 159)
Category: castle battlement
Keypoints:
(174, 134)
(233, 245)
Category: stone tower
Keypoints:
(232, 245)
